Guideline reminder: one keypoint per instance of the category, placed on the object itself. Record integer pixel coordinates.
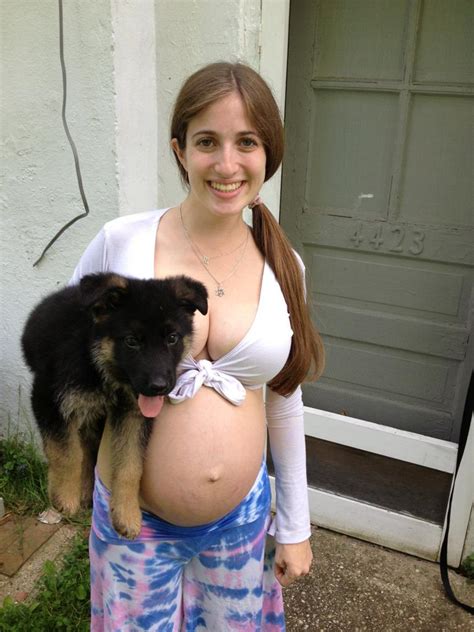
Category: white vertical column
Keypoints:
(463, 499)
(133, 25)
(273, 68)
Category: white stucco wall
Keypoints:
(39, 188)
(125, 61)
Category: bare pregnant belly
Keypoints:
(203, 457)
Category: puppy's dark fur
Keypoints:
(93, 348)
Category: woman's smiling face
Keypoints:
(224, 157)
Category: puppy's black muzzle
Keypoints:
(160, 386)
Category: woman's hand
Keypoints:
(292, 561)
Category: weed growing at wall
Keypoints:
(467, 566)
(23, 478)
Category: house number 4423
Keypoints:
(388, 238)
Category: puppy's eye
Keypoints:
(172, 339)
(132, 342)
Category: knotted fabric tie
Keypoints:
(197, 373)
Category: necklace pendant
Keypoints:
(220, 291)
(205, 260)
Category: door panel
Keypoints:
(377, 196)
(445, 42)
(437, 145)
(349, 153)
(346, 48)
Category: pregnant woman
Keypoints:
(203, 559)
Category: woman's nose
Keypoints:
(227, 163)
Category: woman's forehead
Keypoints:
(227, 113)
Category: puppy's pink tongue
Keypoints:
(150, 406)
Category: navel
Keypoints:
(214, 475)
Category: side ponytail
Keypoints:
(306, 359)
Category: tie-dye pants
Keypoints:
(217, 577)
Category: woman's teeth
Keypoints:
(225, 187)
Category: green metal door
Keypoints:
(378, 198)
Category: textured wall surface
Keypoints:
(39, 187)
(122, 138)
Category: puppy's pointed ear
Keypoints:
(192, 295)
(103, 293)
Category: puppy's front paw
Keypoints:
(67, 504)
(127, 521)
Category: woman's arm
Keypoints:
(93, 260)
(287, 445)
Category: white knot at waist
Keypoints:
(197, 373)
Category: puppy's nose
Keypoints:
(160, 386)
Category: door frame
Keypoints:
(368, 522)
(382, 526)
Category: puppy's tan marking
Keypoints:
(115, 280)
(127, 468)
(103, 352)
(89, 405)
(65, 471)
(82, 411)
(187, 342)
(103, 357)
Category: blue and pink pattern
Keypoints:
(216, 577)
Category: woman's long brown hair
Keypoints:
(204, 87)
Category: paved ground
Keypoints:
(353, 587)
(21, 585)
(357, 587)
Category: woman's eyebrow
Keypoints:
(210, 132)
(203, 131)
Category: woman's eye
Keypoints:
(132, 342)
(205, 142)
(173, 339)
(248, 142)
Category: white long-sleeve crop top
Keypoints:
(126, 246)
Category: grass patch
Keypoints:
(62, 603)
(467, 567)
(24, 480)
(23, 477)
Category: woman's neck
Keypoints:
(209, 230)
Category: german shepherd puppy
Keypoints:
(106, 349)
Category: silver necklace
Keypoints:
(204, 261)
(205, 258)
